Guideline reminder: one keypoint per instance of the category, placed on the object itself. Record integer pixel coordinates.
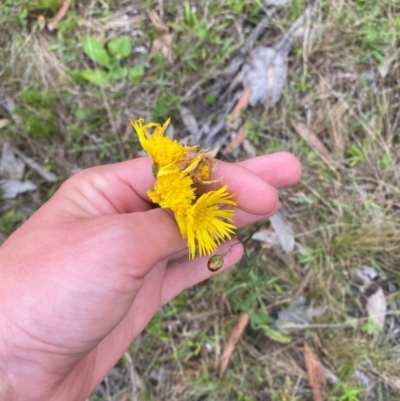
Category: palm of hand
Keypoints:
(96, 264)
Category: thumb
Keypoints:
(141, 239)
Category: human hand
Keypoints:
(87, 272)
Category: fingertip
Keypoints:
(281, 169)
(252, 193)
(293, 168)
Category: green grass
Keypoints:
(73, 103)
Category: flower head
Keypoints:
(173, 191)
(202, 167)
(205, 224)
(161, 149)
(201, 219)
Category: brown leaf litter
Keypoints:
(234, 337)
(315, 144)
(163, 43)
(256, 75)
(376, 306)
(315, 372)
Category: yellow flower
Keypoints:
(204, 224)
(200, 219)
(202, 167)
(163, 150)
(173, 191)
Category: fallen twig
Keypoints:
(46, 175)
(59, 16)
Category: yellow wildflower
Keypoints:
(163, 150)
(201, 167)
(200, 219)
(205, 224)
(173, 191)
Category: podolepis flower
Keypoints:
(163, 150)
(206, 223)
(173, 191)
(204, 220)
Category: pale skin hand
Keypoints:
(86, 273)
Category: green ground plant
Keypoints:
(110, 58)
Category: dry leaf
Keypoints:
(156, 20)
(384, 67)
(164, 41)
(3, 122)
(163, 45)
(265, 73)
(362, 379)
(315, 372)
(235, 143)
(249, 148)
(267, 236)
(276, 3)
(12, 188)
(284, 231)
(315, 144)
(190, 122)
(7, 103)
(236, 333)
(365, 275)
(297, 315)
(376, 307)
(121, 20)
(241, 104)
(335, 115)
(46, 175)
(170, 131)
(10, 167)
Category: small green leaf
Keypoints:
(120, 47)
(275, 335)
(95, 51)
(211, 99)
(117, 73)
(97, 77)
(76, 75)
(135, 73)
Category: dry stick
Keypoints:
(46, 175)
(59, 16)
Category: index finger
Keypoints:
(122, 187)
